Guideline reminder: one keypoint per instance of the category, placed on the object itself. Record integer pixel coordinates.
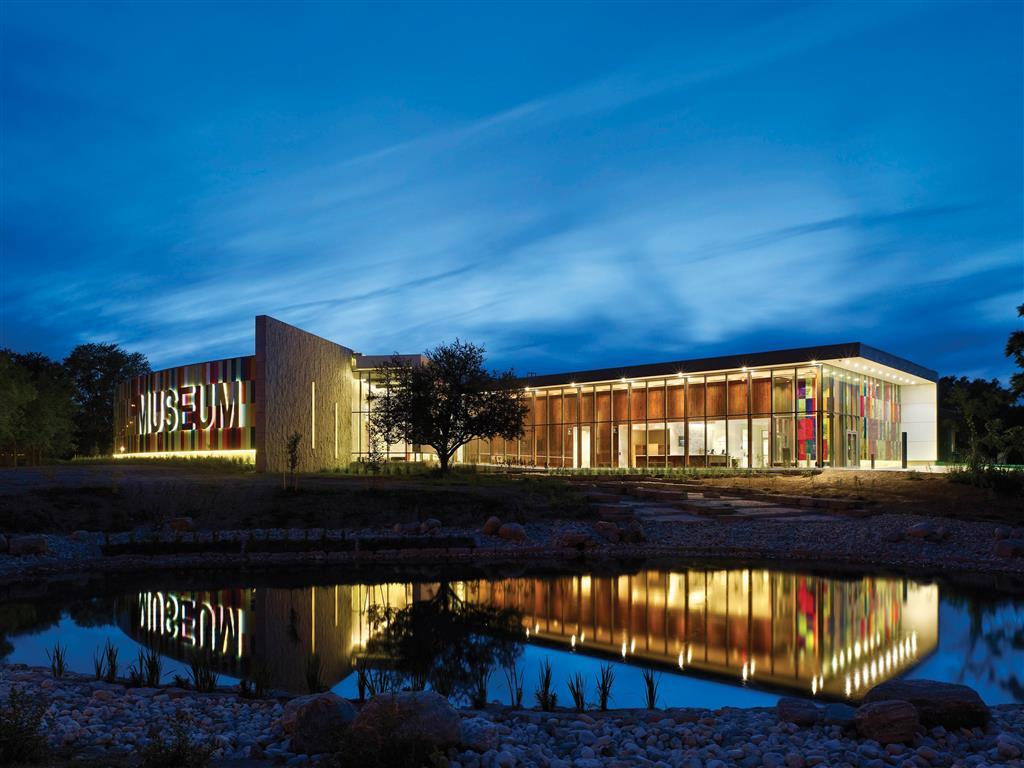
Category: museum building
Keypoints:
(838, 405)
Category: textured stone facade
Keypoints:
(304, 384)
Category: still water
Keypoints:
(736, 637)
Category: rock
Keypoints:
(633, 532)
(492, 526)
(798, 711)
(1004, 532)
(838, 714)
(1008, 747)
(927, 531)
(574, 540)
(1010, 547)
(27, 545)
(430, 525)
(79, 535)
(607, 530)
(887, 722)
(316, 722)
(892, 537)
(946, 704)
(423, 718)
(181, 524)
(480, 735)
(512, 532)
(3, 543)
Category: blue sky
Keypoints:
(573, 186)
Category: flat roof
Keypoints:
(796, 356)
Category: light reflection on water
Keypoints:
(736, 637)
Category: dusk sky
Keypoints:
(573, 186)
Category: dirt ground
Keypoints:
(119, 497)
(921, 493)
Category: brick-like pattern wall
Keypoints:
(288, 362)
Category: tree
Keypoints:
(48, 422)
(1015, 349)
(446, 401)
(16, 391)
(96, 370)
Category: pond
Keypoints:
(714, 637)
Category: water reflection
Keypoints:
(817, 635)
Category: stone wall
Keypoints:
(303, 384)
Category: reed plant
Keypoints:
(201, 674)
(578, 691)
(315, 674)
(514, 680)
(652, 681)
(110, 668)
(58, 659)
(545, 695)
(605, 680)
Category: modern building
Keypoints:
(782, 631)
(838, 405)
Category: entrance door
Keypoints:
(581, 441)
(852, 449)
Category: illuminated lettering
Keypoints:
(190, 407)
(216, 628)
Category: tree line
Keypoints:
(56, 409)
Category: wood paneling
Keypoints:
(555, 409)
(761, 396)
(587, 406)
(620, 409)
(656, 402)
(639, 412)
(695, 400)
(604, 406)
(716, 398)
(738, 397)
(675, 402)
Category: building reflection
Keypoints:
(817, 635)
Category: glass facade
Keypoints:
(786, 416)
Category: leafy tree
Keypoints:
(966, 408)
(96, 370)
(447, 401)
(16, 391)
(49, 419)
(1015, 349)
(445, 642)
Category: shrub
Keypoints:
(110, 668)
(21, 737)
(178, 751)
(378, 747)
(203, 678)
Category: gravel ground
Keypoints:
(91, 718)
(879, 542)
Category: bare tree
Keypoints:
(447, 401)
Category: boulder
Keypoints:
(512, 532)
(3, 543)
(799, 711)
(1010, 547)
(80, 535)
(421, 718)
(406, 528)
(607, 530)
(575, 540)
(887, 722)
(838, 714)
(430, 525)
(27, 545)
(480, 734)
(492, 526)
(946, 704)
(1004, 532)
(927, 531)
(633, 532)
(315, 723)
(181, 524)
